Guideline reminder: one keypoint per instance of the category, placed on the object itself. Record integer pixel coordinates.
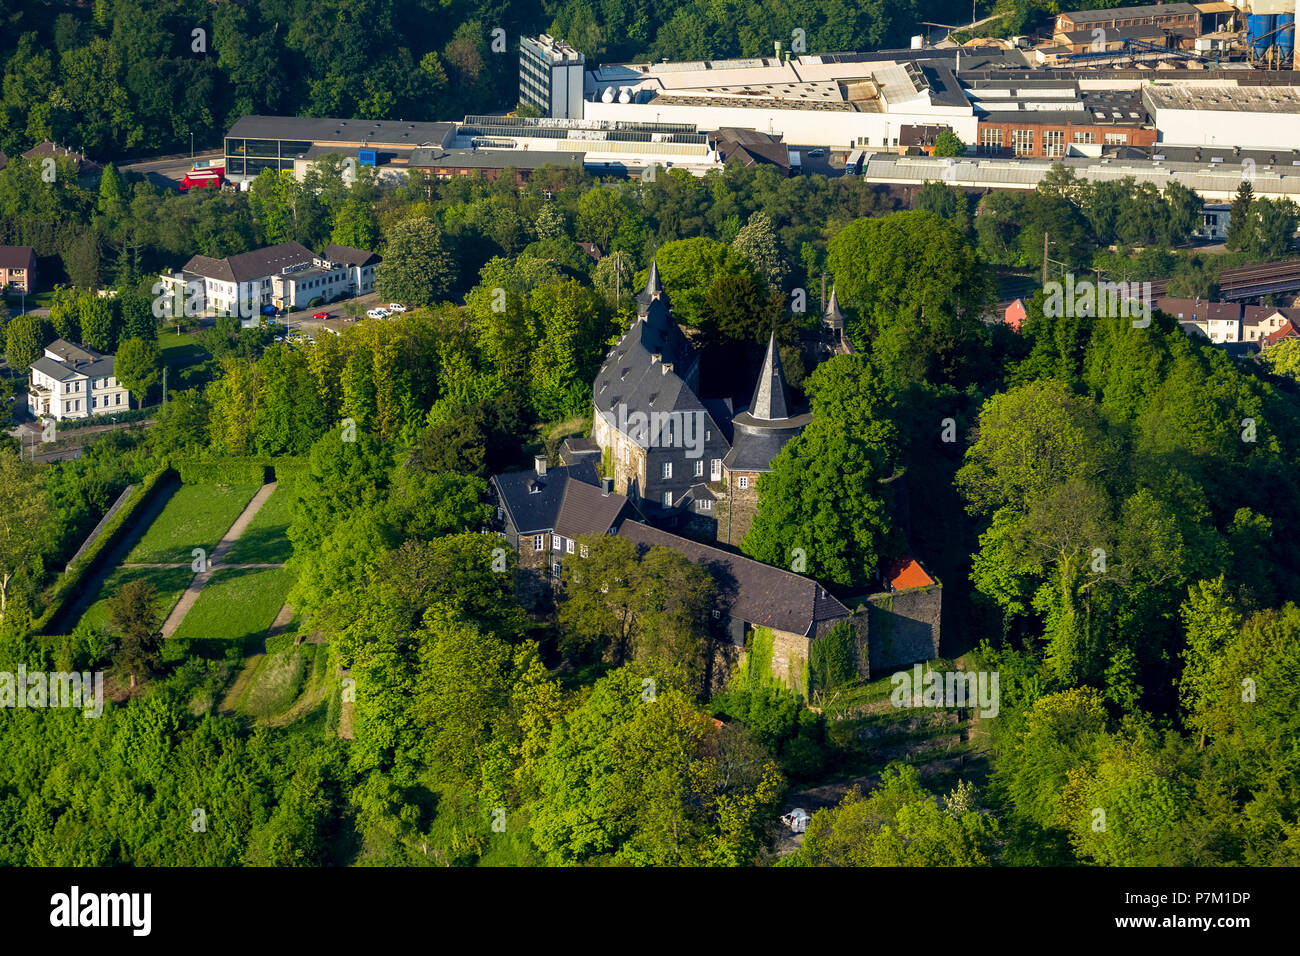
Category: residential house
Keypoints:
(88, 171)
(17, 269)
(287, 276)
(72, 381)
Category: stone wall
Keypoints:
(736, 508)
(790, 659)
(898, 629)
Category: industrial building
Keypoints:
(550, 76)
(846, 101)
(1215, 177)
(289, 143)
(1249, 117)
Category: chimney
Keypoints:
(606, 486)
(655, 357)
(539, 465)
(668, 367)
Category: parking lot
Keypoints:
(303, 320)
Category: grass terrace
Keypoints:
(237, 606)
(196, 517)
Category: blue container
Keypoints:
(1258, 27)
(1285, 36)
(366, 157)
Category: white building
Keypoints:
(844, 101)
(1248, 117)
(287, 276)
(72, 381)
(550, 76)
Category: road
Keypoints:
(168, 171)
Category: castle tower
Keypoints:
(759, 434)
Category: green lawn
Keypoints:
(170, 582)
(196, 517)
(237, 605)
(265, 540)
(178, 349)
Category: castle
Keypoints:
(687, 462)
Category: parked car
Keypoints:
(377, 313)
(321, 315)
(396, 307)
(818, 152)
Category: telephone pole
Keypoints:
(1044, 259)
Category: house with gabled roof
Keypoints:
(73, 381)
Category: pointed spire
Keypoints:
(654, 289)
(769, 394)
(833, 316)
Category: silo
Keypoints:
(1285, 38)
(1258, 28)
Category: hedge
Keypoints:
(246, 470)
(69, 583)
(114, 418)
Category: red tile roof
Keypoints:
(1014, 314)
(906, 572)
(1285, 332)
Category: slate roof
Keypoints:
(585, 509)
(654, 289)
(73, 361)
(834, 316)
(246, 266)
(350, 256)
(756, 593)
(769, 402)
(631, 376)
(55, 370)
(754, 451)
(529, 511)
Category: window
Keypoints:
(668, 499)
(668, 469)
(583, 551)
(698, 467)
(537, 542)
(555, 542)
(1116, 139)
(1022, 142)
(500, 515)
(743, 482)
(119, 399)
(715, 469)
(1054, 142)
(706, 504)
(716, 615)
(555, 569)
(991, 140)
(1087, 136)
(568, 545)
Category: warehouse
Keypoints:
(1249, 117)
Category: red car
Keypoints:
(321, 315)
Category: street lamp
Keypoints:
(191, 148)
